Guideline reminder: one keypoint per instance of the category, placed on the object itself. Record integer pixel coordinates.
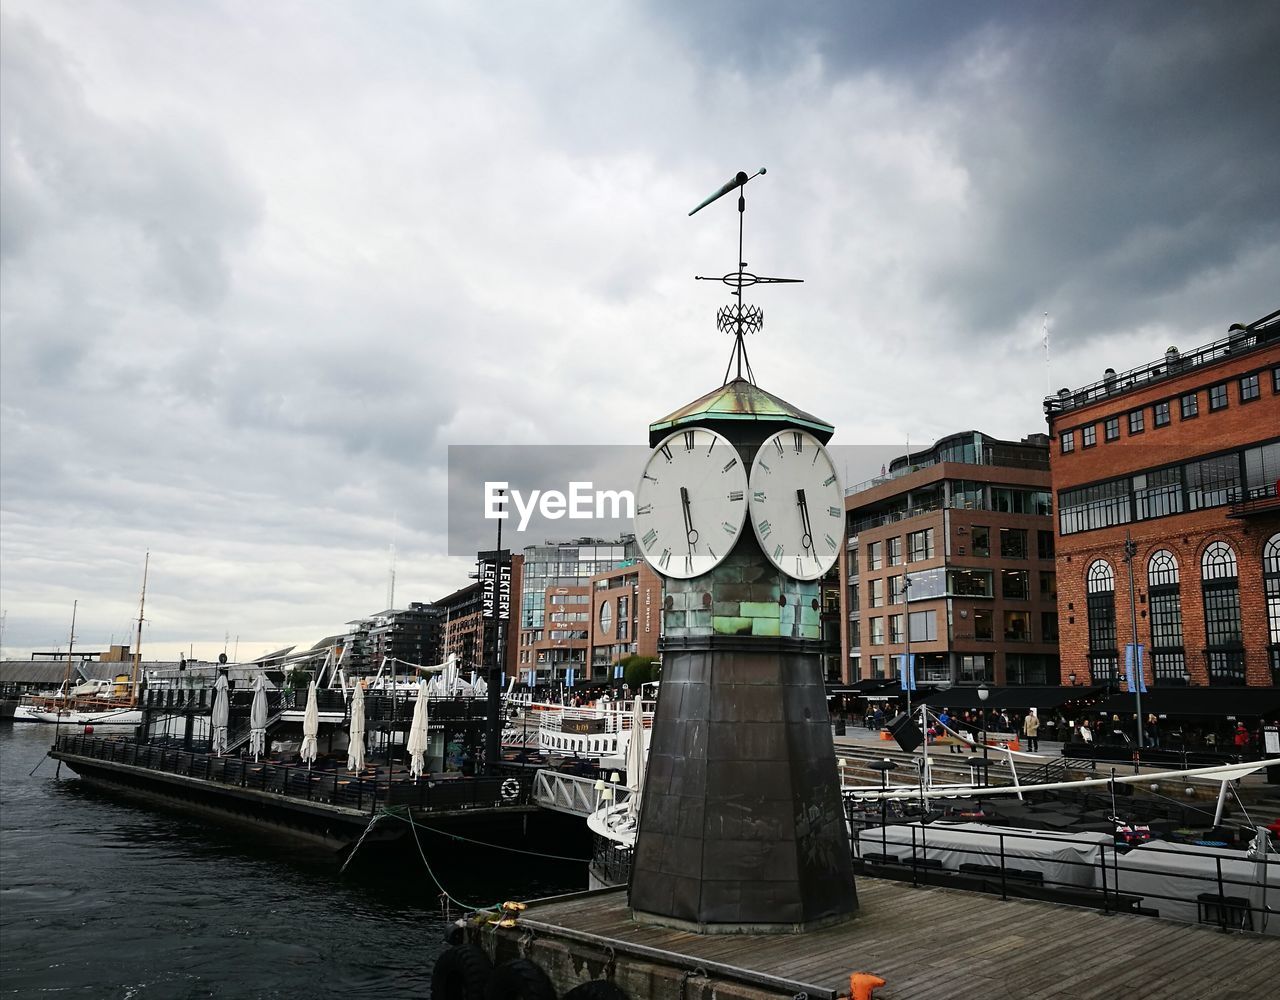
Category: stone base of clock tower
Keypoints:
(742, 828)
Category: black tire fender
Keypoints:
(461, 973)
(595, 989)
(519, 979)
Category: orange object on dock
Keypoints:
(861, 985)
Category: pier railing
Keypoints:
(365, 791)
(1205, 883)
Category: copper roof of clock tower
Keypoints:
(742, 400)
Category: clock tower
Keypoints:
(742, 828)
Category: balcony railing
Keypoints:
(1259, 500)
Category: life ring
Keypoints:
(519, 979)
(510, 790)
(596, 989)
(461, 973)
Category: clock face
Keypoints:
(691, 503)
(797, 506)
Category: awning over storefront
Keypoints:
(1040, 697)
(1246, 702)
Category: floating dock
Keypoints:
(925, 942)
(324, 806)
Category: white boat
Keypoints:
(595, 731)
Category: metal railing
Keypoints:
(1114, 882)
(337, 787)
(572, 793)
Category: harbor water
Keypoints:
(103, 898)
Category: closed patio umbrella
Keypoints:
(258, 718)
(355, 742)
(417, 745)
(635, 757)
(220, 715)
(310, 726)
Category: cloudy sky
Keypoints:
(263, 263)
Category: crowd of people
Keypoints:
(1082, 725)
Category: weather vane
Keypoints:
(737, 318)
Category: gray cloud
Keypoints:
(258, 271)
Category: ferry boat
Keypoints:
(596, 731)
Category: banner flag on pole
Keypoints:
(907, 671)
(568, 678)
(531, 678)
(1129, 669)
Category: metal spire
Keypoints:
(737, 318)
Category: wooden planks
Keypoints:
(936, 942)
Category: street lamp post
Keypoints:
(1130, 551)
(983, 694)
(907, 673)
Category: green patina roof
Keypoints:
(742, 400)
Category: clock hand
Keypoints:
(806, 542)
(691, 535)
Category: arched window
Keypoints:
(1168, 657)
(1100, 582)
(1224, 649)
(1271, 587)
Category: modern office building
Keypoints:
(556, 606)
(626, 617)
(949, 555)
(1180, 456)
(412, 635)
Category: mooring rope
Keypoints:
(443, 891)
(372, 822)
(499, 847)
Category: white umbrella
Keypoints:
(221, 714)
(355, 742)
(417, 745)
(310, 726)
(258, 718)
(635, 757)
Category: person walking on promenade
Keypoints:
(1031, 730)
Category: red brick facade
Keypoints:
(1199, 431)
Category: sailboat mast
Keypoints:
(137, 650)
(71, 641)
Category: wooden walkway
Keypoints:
(944, 943)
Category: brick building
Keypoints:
(954, 543)
(1183, 456)
(626, 617)
(462, 625)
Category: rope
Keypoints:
(372, 820)
(499, 847)
(443, 891)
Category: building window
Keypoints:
(1168, 658)
(1089, 435)
(1017, 627)
(1249, 388)
(1275, 379)
(1100, 586)
(1211, 481)
(895, 590)
(1271, 589)
(875, 555)
(1028, 668)
(1048, 586)
(920, 545)
(1093, 507)
(975, 669)
(875, 593)
(1111, 428)
(1137, 421)
(980, 540)
(982, 629)
(893, 547)
(895, 628)
(923, 626)
(876, 631)
(1013, 585)
(1013, 543)
(1044, 544)
(1161, 413)
(1067, 441)
(1190, 405)
(855, 634)
(1157, 494)
(1049, 626)
(1218, 397)
(877, 668)
(1221, 586)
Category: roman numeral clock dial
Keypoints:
(691, 503)
(797, 506)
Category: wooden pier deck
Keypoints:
(926, 942)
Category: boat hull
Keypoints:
(76, 717)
